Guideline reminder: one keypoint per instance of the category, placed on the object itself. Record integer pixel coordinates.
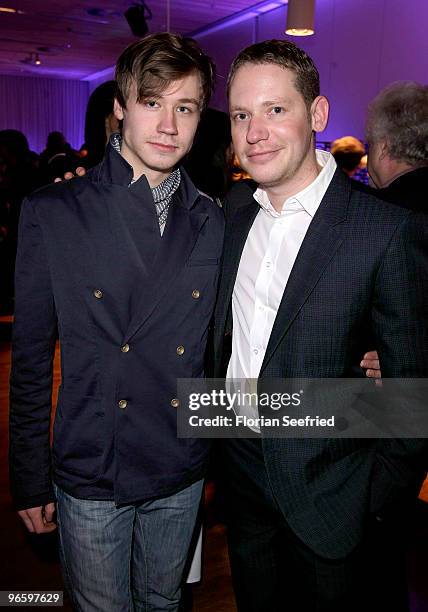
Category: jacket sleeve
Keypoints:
(400, 322)
(400, 313)
(240, 194)
(33, 347)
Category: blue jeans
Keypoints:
(127, 558)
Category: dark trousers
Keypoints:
(273, 571)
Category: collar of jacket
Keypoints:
(407, 190)
(115, 170)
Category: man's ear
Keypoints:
(383, 149)
(319, 113)
(118, 110)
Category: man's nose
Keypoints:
(168, 121)
(257, 130)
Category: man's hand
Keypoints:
(39, 520)
(370, 362)
(80, 171)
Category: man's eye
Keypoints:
(277, 110)
(240, 116)
(151, 103)
(184, 109)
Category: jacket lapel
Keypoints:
(181, 233)
(319, 246)
(236, 236)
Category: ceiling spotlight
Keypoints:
(32, 58)
(6, 9)
(300, 17)
(136, 16)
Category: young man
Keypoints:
(121, 264)
(314, 272)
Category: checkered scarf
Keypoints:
(162, 194)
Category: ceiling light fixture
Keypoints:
(300, 17)
(136, 16)
(6, 9)
(32, 59)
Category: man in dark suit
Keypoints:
(122, 264)
(398, 155)
(397, 133)
(314, 273)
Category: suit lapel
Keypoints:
(235, 239)
(180, 235)
(319, 246)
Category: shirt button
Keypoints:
(255, 351)
(98, 293)
(125, 348)
(175, 402)
(180, 350)
(122, 404)
(268, 264)
(196, 294)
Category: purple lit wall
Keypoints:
(99, 78)
(359, 47)
(37, 106)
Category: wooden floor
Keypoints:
(30, 562)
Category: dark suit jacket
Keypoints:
(361, 276)
(409, 190)
(132, 310)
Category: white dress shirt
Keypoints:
(268, 257)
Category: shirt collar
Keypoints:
(310, 197)
(114, 169)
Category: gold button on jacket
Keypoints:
(175, 402)
(124, 348)
(122, 404)
(98, 293)
(196, 293)
(180, 350)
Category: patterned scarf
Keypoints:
(162, 194)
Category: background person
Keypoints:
(349, 154)
(397, 133)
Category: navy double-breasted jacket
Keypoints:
(132, 310)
